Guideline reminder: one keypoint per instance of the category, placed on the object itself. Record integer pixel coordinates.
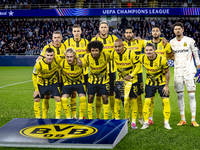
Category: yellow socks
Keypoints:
(167, 110)
(127, 108)
(73, 107)
(82, 107)
(65, 107)
(146, 109)
(98, 106)
(117, 108)
(37, 109)
(140, 106)
(134, 108)
(58, 110)
(151, 107)
(90, 110)
(106, 110)
(45, 107)
(112, 103)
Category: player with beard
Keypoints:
(108, 42)
(184, 48)
(135, 45)
(164, 50)
(98, 80)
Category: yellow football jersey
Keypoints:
(59, 51)
(160, 49)
(80, 47)
(47, 73)
(71, 74)
(98, 68)
(154, 69)
(125, 63)
(108, 47)
(136, 46)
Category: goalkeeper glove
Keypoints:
(198, 72)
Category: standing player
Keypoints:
(59, 49)
(80, 46)
(108, 42)
(127, 67)
(98, 80)
(73, 80)
(136, 46)
(184, 48)
(156, 80)
(45, 80)
(164, 50)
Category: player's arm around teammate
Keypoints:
(98, 80)
(45, 81)
(73, 80)
(128, 67)
(59, 49)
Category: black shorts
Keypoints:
(102, 88)
(132, 94)
(151, 90)
(140, 84)
(50, 89)
(86, 79)
(112, 82)
(68, 89)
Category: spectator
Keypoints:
(129, 4)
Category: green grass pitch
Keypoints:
(17, 102)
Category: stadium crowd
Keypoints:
(32, 4)
(30, 36)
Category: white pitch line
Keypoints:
(14, 84)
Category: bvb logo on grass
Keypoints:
(58, 131)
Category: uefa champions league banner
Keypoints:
(99, 12)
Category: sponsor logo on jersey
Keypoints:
(58, 131)
(181, 51)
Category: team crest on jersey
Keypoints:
(125, 58)
(82, 45)
(185, 44)
(160, 47)
(109, 42)
(155, 64)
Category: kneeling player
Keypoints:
(155, 64)
(73, 80)
(45, 80)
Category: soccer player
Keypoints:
(98, 80)
(127, 67)
(108, 42)
(164, 50)
(59, 49)
(45, 80)
(136, 46)
(156, 80)
(184, 48)
(80, 46)
(73, 80)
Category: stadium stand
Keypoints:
(25, 36)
